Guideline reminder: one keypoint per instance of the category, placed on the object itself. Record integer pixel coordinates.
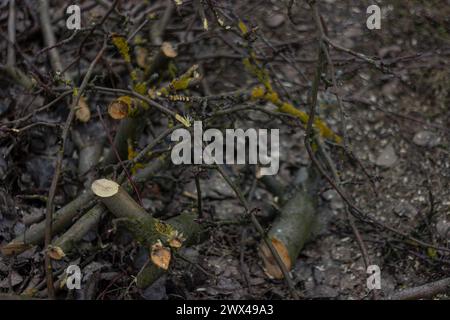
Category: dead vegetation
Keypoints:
(86, 172)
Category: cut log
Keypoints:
(192, 233)
(291, 229)
(120, 108)
(117, 200)
(148, 231)
(65, 216)
(68, 241)
(78, 230)
(90, 147)
(61, 219)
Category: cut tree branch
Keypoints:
(150, 232)
(425, 291)
(292, 228)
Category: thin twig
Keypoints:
(425, 291)
(139, 96)
(54, 185)
(49, 36)
(110, 10)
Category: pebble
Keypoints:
(330, 195)
(405, 209)
(387, 157)
(426, 139)
(443, 228)
(276, 20)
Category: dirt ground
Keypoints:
(397, 123)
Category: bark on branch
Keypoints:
(291, 229)
(425, 291)
(160, 237)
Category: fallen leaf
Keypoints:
(14, 247)
(56, 253)
(83, 113)
(141, 57)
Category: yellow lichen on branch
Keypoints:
(266, 92)
(122, 46)
(190, 77)
(243, 27)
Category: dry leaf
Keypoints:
(160, 255)
(14, 247)
(141, 57)
(168, 50)
(56, 253)
(82, 112)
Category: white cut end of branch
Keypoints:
(104, 188)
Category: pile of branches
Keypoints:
(130, 71)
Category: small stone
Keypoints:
(426, 139)
(337, 204)
(276, 20)
(443, 228)
(387, 157)
(191, 254)
(405, 209)
(330, 195)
